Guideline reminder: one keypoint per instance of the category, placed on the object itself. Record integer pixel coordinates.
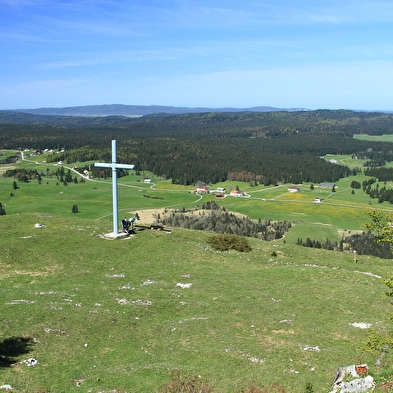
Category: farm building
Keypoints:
(202, 189)
(237, 193)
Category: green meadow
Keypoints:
(340, 213)
(124, 315)
(377, 138)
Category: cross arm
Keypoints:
(114, 166)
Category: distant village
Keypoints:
(220, 192)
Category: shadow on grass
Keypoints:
(12, 347)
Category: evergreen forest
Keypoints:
(263, 147)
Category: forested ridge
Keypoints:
(267, 147)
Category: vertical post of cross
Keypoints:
(114, 165)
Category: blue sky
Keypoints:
(328, 54)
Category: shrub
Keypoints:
(225, 242)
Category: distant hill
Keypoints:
(140, 110)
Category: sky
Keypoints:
(314, 54)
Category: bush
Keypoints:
(225, 242)
(75, 209)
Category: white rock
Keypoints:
(313, 349)
(30, 362)
(361, 325)
(183, 286)
(360, 385)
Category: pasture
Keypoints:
(377, 138)
(102, 315)
(342, 210)
(106, 316)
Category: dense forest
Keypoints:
(263, 147)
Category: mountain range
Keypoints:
(141, 110)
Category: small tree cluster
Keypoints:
(326, 244)
(225, 242)
(355, 184)
(364, 243)
(216, 219)
(21, 174)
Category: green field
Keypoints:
(376, 138)
(341, 209)
(108, 316)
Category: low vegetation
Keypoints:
(225, 242)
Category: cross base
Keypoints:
(120, 235)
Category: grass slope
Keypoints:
(109, 315)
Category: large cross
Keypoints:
(114, 165)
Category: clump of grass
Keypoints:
(309, 388)
(225, 242)
(179, 383)
(271, 389)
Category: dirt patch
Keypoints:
(31, 273)
(283, 331)
(146, 217)
(4, 169)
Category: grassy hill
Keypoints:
(105, 315)
(109, 314)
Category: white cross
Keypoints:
(114, 166)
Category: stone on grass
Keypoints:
(360, 385)
(183, 286)
(341, 384)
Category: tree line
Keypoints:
(363, 243)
